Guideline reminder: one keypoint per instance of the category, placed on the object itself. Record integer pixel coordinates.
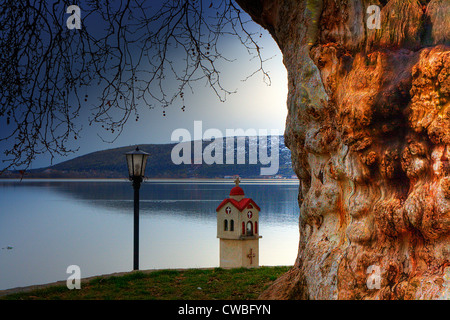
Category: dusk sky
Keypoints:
(255, 105)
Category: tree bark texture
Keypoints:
(368, 126)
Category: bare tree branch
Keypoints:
(128, 49)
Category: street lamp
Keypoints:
(136, 161)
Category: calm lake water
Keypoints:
(47, 225)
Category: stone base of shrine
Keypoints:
(237, 253)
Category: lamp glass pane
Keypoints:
(130, 164)
(137, 164)
(144, 163)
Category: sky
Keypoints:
(255, 105)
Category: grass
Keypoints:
(190, 284)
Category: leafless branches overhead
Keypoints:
(127, 50)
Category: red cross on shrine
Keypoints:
(251, 255)
(228, 210)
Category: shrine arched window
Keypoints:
(249, 228)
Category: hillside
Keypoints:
(111, 163)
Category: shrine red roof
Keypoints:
(237, 191)
(240, 205)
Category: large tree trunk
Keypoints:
(369, 130)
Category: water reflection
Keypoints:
(194, 199)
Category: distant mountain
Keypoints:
(112, 164)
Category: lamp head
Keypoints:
(136, 161)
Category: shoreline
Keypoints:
(26, 289)
(5, 292)
(218, 180)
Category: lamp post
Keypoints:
(136, 161)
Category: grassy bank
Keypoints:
(190, 284)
